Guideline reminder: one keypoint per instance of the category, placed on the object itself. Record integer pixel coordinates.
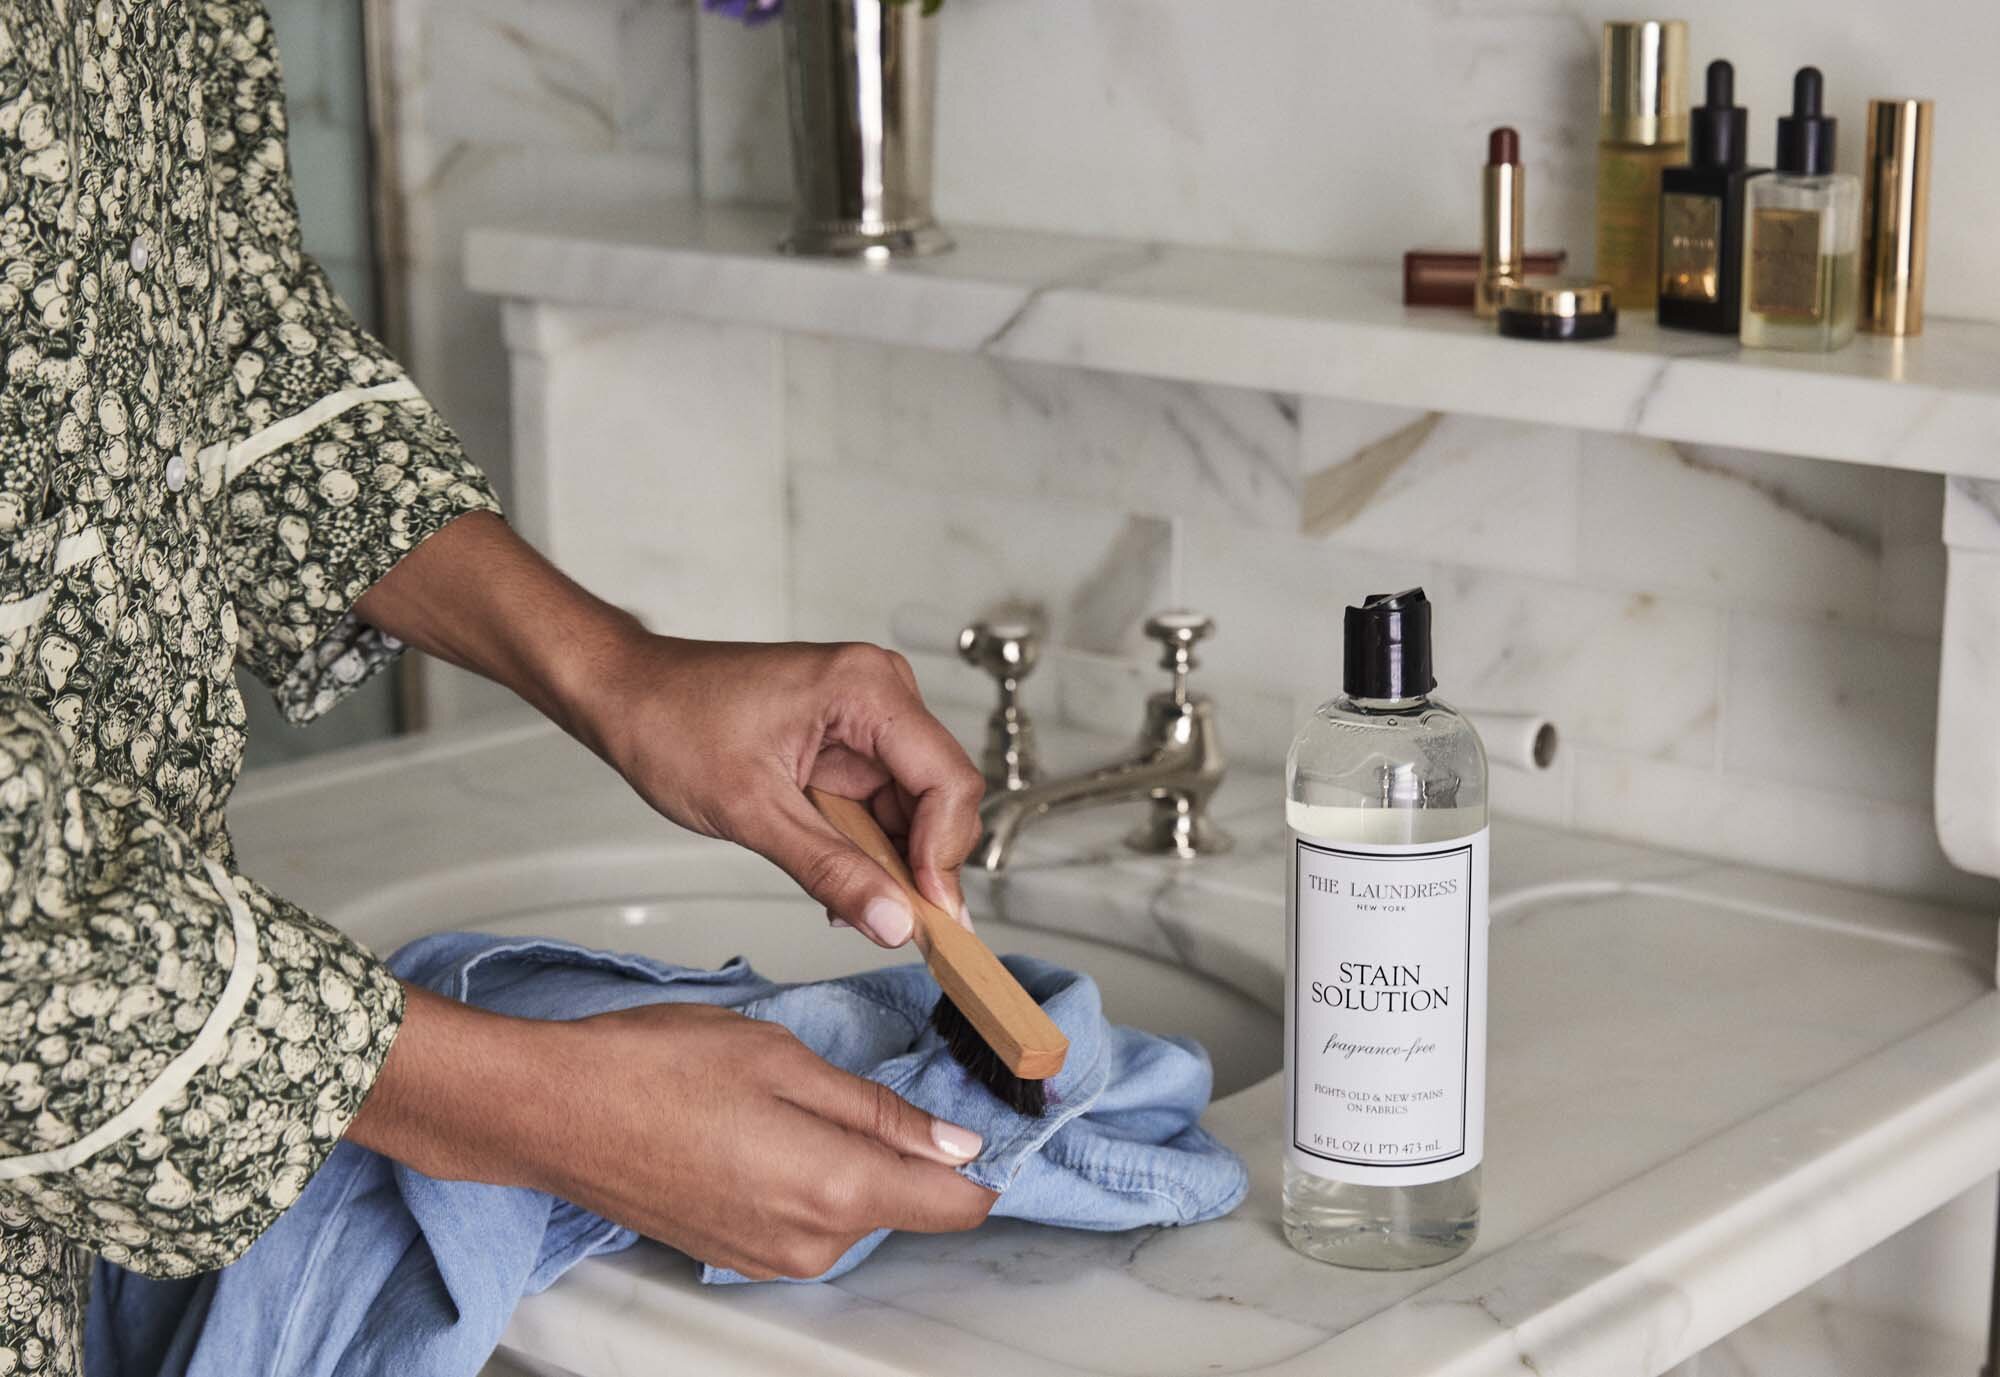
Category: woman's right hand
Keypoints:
(720, 1135)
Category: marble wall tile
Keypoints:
(865, 545)
(977, 424)
(532, 73)
(745, 155)
(1733, 526)
(1278, 601)
(651, 466)
(1831, 706)
(654, 108)
(503, 107)
(1496, 494)
(1615, 669)
(454, 346)
(1838, 837)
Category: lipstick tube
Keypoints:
(1500, 219)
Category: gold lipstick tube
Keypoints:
(1500, 221)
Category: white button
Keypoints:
(177, 473)
(139, 255)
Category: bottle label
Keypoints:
(1691, 247)
(1787, 269)
(1387, 1083)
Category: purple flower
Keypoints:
(749, 11)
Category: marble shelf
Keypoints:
(1710, 1086)
(1268, 321)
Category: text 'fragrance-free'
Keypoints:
(1385, 1023)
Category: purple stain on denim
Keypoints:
(749, 11)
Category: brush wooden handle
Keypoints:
(986, 992)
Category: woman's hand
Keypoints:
(722, 737)
(714, 1133)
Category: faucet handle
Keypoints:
(1177, 632)
(1008, 651)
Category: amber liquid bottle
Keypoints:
(1802, 236)
(1701, 215)
(1642, 131)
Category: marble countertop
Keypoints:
(1710, 1085)
(1270, 321)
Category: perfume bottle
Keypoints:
(1701, 215)
(1802, 236)
(1385, 1020)
(1642, 129)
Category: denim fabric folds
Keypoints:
(380, 1269)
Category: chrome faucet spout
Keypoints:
(1178, 765)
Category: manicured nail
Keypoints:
(955, 1142)
(889, 921)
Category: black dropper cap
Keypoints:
(1719, 129)
(1805, 137)
(1389, 646)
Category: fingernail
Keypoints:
(964, 916)
(955, 1142)
(889, 921)
(834, 921)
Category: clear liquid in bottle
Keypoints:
(1385, 1049)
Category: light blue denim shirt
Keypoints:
(380, 1269)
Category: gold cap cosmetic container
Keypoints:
(1642, 130)
(1895, 216)
(1642, 82)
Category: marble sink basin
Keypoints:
(1710, 1084)
(787, 939)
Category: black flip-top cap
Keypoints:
(1389, 646)
(1719, 129)
(1805, 137)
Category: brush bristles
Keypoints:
(983, 1064)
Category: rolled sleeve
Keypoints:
(179, 1049)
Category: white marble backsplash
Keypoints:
(1740, 649)
(502, 105)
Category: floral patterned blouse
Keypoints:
(201, 458)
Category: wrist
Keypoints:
(465, 1094)
(588, 674)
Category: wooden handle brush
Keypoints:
(993, 1027)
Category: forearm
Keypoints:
(721, 737)
(449, 1099)
(480, 597)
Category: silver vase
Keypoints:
(861, 85)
